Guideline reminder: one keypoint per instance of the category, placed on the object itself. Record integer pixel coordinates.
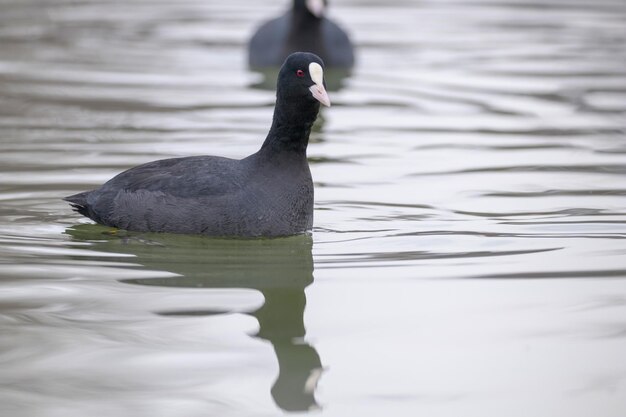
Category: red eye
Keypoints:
(300, 73)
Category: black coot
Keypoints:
(269, 193)
(303, 28)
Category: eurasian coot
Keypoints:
(269, 193)
(303, 28)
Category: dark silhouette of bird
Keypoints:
(269, 193)
(304, 27)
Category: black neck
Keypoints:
(300, 5)
(301, 15)
(305, 33)
(291, 127)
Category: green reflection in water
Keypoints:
(279, 268)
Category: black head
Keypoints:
(301, 79)
(315, 8)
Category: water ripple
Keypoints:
(469, 217)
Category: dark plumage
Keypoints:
(269, 193)
(303, 28)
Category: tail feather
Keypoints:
(79, 203)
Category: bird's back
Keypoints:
(267, 46)
(205, 194)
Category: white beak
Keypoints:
(320, 94)
(317, 89)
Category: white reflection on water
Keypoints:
(468, 256)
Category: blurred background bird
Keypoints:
(304, 27)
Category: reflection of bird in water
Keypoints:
(304, 27)
(280, 269)
(292, 390)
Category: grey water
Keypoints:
(468, 256)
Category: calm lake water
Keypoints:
(468, 256)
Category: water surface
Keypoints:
(468, 256)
